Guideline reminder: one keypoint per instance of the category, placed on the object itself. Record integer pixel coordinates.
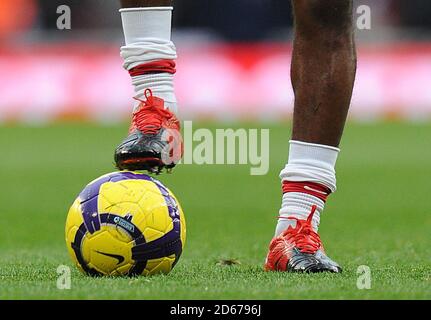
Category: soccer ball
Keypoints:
(125, 223)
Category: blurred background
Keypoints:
(231, 53)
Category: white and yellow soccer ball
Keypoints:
(125, 223)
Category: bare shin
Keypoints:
(323, 69)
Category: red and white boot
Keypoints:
(299, 249)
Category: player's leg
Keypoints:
(323, 73)
(154, 141)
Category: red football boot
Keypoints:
(154, 141)
(299, 249)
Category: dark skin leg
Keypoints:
(323, 69)
(146, 3)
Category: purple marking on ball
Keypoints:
(168, 244)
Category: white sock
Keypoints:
(308, 162)
(147, 33)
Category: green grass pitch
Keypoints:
(379, 217)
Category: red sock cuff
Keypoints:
(160, 66)
(315, 189)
